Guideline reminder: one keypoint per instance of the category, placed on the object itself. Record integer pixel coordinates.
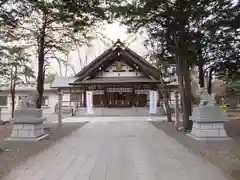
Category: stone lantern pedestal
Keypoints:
(208, 120)
(28, 121)
(27, 125)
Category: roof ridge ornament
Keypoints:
(118, 44)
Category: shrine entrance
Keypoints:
(119, 99)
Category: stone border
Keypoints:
(26, 139)
(209, 138)
(201, 120)
(208, 131)
(28, 121)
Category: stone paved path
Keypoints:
(110, 119)
(116, 151)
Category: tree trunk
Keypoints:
(185, 90)
(188, 93)
(166, 103)
(209, 88)
(66, 70)
(13, 99)
(12, 94)
(25, 77)
(201, 71)
(60, 66)
(41, 55)
(180, 73)
(13, 88)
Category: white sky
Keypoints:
(112, 32)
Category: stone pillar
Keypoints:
(60, 96)
(177, 110)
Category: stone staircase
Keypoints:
(143, 111)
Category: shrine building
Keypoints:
(118, 78)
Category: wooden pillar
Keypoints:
(133, 100)
(60, 96)
(80, 99)
(84, 96)
(75, 96)
(105, 96)
(70, 93)
(70, 100)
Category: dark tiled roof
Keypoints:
(117, 80)
(116, 51)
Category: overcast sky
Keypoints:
(112, 32)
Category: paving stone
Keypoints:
(100, 169)
(128, 150)
(74, 168)
(88, 166)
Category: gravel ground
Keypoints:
(50, 116)
(224, 154)
(12, 154)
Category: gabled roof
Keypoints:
(24, 87)
(118, 51)
(63, 82)
(114, 80)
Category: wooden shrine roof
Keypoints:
(118, 51)
(118, 80)
(68, 82)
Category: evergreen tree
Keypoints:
(12, 11)
(55, 26)
(227, 53)
(185, 31)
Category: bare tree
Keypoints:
(17, 60)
